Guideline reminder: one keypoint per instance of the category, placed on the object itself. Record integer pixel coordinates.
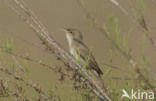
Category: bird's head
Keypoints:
(73, 34)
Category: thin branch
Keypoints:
(46, 51)
(43, 34)
(52, 68)
(5, 88)
(141, 23)
(29, 84)
(117, 68)
(119, 78)
(19, 65)
(127, 56)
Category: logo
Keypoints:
(137, 94)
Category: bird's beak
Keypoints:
(64, 29)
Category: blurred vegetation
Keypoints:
(16, 69)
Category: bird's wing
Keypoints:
(84, 52)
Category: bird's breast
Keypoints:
(74, 53)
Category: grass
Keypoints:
(45, 83)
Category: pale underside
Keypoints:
(81, 52)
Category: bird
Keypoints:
(80, 50)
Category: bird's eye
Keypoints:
(71, 32)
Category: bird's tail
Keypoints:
(98, 75)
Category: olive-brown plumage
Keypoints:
(80, 51)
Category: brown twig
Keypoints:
(9, 92)
(127, 56)
(141, 23)
(53, 46)
(56, 68)
(35, 86)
